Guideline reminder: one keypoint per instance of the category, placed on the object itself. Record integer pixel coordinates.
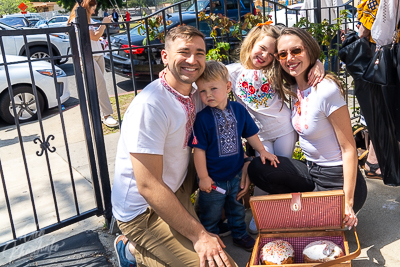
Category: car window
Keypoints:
(52, 21)
(246, 3)
(200, 6)
(217, 6)
(231, 4)
(64, 19)
(203, 27)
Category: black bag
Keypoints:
(380, 69)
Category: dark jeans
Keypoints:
(296, 176)
(210, 207)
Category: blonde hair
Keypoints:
(257, 34)
(184, 32)
(215, 70)
(284, 80)
(86, 4)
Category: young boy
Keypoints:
(219, 155)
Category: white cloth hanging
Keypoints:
(324, 11)
(385, 22)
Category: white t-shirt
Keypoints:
(252, 90)
(96, 45)
(310, 114)
(155, 123)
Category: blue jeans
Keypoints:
(210, 207)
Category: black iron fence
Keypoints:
(134, 53)
(41, 189)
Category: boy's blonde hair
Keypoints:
(215, 70)
(256, 34)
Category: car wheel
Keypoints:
(25, 105)
(39, 52)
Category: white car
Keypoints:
(15, 45)
(291, 15)
(58, 21)
(21, 83)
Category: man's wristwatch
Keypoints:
(248, 159)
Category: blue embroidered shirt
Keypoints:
(218, 133)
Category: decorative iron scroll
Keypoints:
(44, 145)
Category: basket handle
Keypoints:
(351, 256)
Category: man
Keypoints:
(105, 13)
(115, 15)
(151, 196)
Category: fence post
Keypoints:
(317, 4)
(94, 110)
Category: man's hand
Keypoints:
(205, 184)
(244, 182)
(209, 247)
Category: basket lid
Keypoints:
(299, 211)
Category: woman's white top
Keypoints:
(252, 89)
(310, 114)
(96, 45)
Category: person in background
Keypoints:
(105, 13)
(218, 153)
(115, 15)
(128, 16)
(98, 60)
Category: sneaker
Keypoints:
(109, 121)
(224, 229)
(246, 242)
(119, 245)
(252, 227)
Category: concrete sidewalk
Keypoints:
(87, 244)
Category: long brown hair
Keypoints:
(87, 4)
(284, 80)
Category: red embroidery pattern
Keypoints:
(188, 106)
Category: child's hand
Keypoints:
(316, 74)
(271, 157)
(205, 184)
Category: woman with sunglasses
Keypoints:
(320, 116)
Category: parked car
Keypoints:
(58, 21)
(219, 7)
(24, 97)
(40, 22)
(112, 28)
(15, 45)
(15, 22)
(121, 59)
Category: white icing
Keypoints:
(322, 250)
(277, 251)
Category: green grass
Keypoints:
(124, 102)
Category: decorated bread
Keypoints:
(321, 251)
(277, 252)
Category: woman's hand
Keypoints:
(350, 218)
(316, 74)
(107, 19)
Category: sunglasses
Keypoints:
(294, 52)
